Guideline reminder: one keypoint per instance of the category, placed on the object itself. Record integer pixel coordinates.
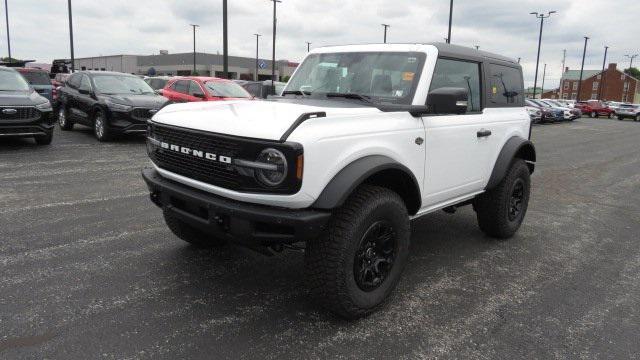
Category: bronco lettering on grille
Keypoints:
(188, 151)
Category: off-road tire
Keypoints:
(190, 234)
(330, 259)
(492, 207)
(63, 119)
(101, 126)
(44, 139)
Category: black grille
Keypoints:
(212, 172)
(215, 172)
(141, 114)
(18, 113)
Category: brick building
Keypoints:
(610, 85)
(551, 94)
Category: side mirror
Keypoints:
(159, 91)
(84, 91)
(199, 95)
(448, 100)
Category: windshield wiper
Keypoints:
(294, 92)
(363, 98)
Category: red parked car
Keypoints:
(200, 88)
(594, 108)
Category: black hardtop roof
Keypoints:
(449, 50)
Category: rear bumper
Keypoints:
(245, 223)
(17, 128)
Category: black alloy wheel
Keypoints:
(375, 256)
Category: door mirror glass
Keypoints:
(198, 95)
(448, 100)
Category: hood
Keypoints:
(20, 98)
(151, 101)
(254, 119)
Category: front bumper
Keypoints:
(127, 123)
(41, 125)
(245, 223)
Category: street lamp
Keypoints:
(604, 62)
(194, 46)
(6, 15)
(273, 54)
(584, 52)
(225, 42)
(450, 20)
(73, 60)
(631, 57)
(386, 26)
(308, 46)
(257, 40)
(541, 17)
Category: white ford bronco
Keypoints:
(363, 139)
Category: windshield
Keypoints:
(554, 103)
(381, 76)
(37, 77)
(226, 89)
(10, 80)
(114, 84)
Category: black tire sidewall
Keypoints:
(397, 216)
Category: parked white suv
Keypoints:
(364, 139)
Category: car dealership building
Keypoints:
(182, 64)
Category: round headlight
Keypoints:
(276, 176)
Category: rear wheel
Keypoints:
(620, 117)
(63, 119)
(353, 267)
(500, 211)
(190, 234)
(593, 114)
(637, 118)
(609, 115)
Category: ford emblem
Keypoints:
(9, 111)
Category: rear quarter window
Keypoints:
(37, 77)
(505, 86)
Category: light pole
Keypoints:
(544, 74)
(257, 44)
(631, 57)
(541, 17)
(477, 47)
(225, 42)
(308, 46)
(6, 16)
(273, 54)
(194, 46)
(584, 53)
(73, 60)
(450, 20)
(604, 63)
(386, 26)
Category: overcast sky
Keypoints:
(39, 28)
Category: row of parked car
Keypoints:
(553, 110)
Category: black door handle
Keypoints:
(484, 133)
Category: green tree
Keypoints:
(7, 59)
(633, 72)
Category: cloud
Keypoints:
(502, 26)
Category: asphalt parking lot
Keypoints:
(88, 269)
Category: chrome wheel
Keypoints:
(99, 126)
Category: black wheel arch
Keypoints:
(377, 170)
(515, 148)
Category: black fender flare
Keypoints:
(357, 172)
(515, 147)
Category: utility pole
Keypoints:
(194, 46)
(386, 26)
(541, 17)
(273, 54)
(564, 59)
(225, 42)
(6, 16)
(631, 57)
(584, 53)
(450, 20)
(73, 60)
(604, 63)
(308, 46)
(544, 74)
(257, 44)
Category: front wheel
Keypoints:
(620, 117)
(500, 211)
(609, 115)
(100, 127)
(353, 267)
(637, 118)
(63, 119)
(593, 114)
